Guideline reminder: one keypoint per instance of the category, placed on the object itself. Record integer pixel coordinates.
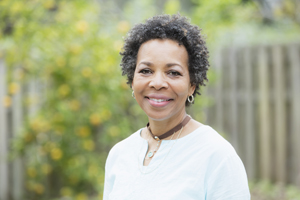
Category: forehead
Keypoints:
(163, 50)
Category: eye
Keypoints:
(174, 73)
(145, 71)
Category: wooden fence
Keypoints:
(257, 105)
(12, 114)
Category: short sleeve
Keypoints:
(109, 178)
(228, 181)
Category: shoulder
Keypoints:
(208, 139)
(119, 147)
(226, 177)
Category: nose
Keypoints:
(158, 81)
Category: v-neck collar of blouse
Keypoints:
(159, 158)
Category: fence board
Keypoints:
(249, 116)
(3, 136)
(219, 91)
(264, 115)
(233, 99)
(294, 57)
(17, 118)
(280, 116)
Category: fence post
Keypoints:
(280, 114)
(219, 91)
(294, 54)
(233, 97)
(17, 118)
(249, 125)
(3, 136)
(264, 114)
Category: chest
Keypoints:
(169, 175)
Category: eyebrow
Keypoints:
(168, 65)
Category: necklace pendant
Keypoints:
(150, 154)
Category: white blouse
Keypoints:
(199, 166)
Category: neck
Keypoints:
(160, 127)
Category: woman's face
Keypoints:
(161, 80)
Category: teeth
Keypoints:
(158, 100)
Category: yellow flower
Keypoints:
(84, 131)
(56, 154)
(95, 119)
(39, 188)
(31, 172)
(13, 88)
(86, 72)
(123, 26)
(75, 49)
(74, 105)
(89, 145)
(16, 7)
(81, 196)
(64, 90)
(66, 191)
(102, 69)
(114, 131)
(92, 170)
(60, 62)
(39, 125)
(7, 101)
(118, 45)
(49, 4)
(106, 114)
(46, 168)
(82, 26)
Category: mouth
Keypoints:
(159, 101)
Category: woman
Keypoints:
(174, 157)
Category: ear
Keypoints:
(192, 89)
(131, 85)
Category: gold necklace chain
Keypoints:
(164, 157)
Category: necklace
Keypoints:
(170, 132)
(165, 135)
(151, 153)
(163, 159)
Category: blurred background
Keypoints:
(64, 103)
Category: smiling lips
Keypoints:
(158, 101)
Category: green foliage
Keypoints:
(86, 106)
(265, 190)
(172, 7)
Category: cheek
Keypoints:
(182, 89)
